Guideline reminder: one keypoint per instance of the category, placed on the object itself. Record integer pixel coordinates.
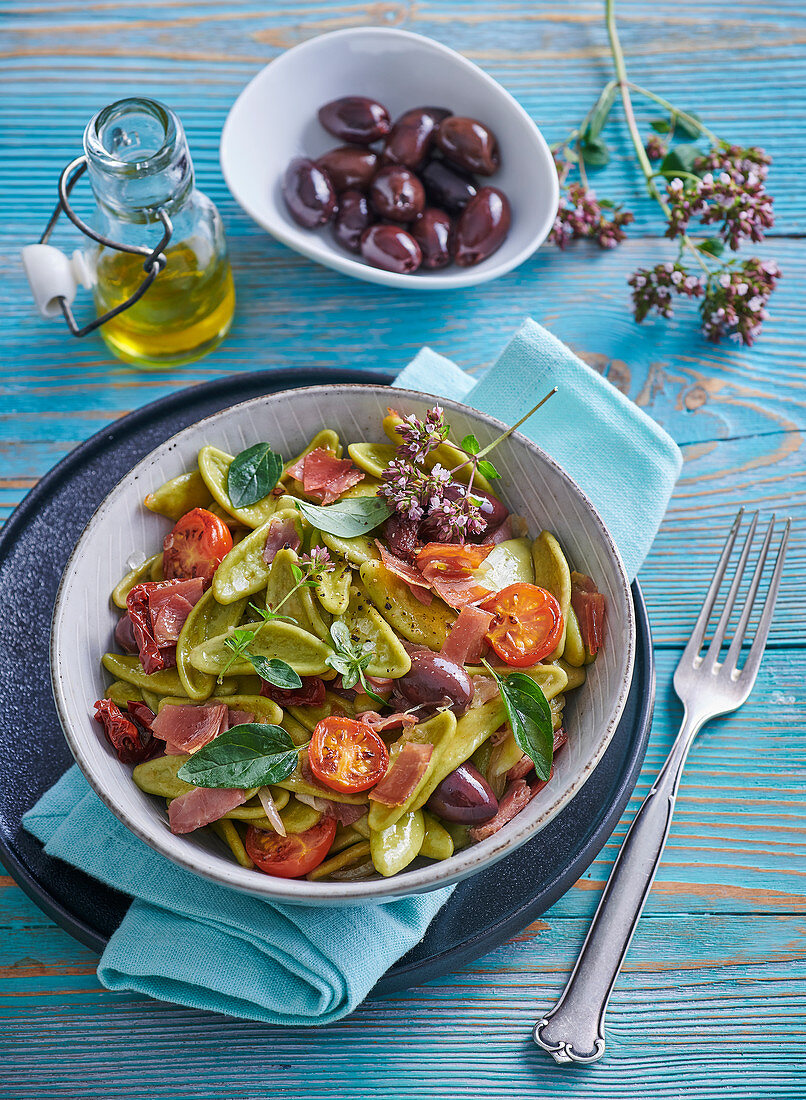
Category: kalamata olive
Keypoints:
(413, 135)
(308, 193)
(447, 187)
(396, 193)
(482, 227)
(432, 678)
(392, 248)
(356, 119)
(464, 796)
(353, 218)
(468, 143)
(350, 167)
(433, 232)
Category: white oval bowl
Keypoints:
(84, 620)
(275, 119)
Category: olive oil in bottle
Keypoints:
(142, 178)
(186, 312)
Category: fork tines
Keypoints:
(711, 657)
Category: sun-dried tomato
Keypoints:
(132, 743)
(311, 694)
(142, 714)
(151, 657)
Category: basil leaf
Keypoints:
(471, 445)
(487, 469)
(253, 474)
(680, 159)
(530, 718)
(347, 518)
(276, 672)
(250, 755)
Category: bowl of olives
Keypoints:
(391, 158)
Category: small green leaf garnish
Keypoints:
(529, 716)
(597, 116)
(660, 125)
(487, 469)
(276, 672)
(595, 152)
(350, 659)
(471, 445)
(680, 159)
(249, 755)
(687, 124)
(253, 474)
(346, 518)
(713, 246)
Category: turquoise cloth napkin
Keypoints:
(186, 940)
(622, 459)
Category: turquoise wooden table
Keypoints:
(713, 995)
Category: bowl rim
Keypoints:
(463, 864)
(313, 250)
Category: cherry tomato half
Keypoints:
(527, 626)
(346, 755)
(290, 856)
(196, 547)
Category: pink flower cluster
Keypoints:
(581, 215)
(416, 493)
(655, 147)
(654, 288)
(735, 304)
(731, 196)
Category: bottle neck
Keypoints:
(138, 160)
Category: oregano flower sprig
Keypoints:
(722, 188)
(416, 492)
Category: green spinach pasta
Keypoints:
(346, 660)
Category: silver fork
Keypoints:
(573, 1031)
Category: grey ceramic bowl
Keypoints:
(533, 485)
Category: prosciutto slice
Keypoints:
(398, 720)
(405, 773)
(201, 806)
(516, 797)
(157, 611)
(282, 534)
(238, 717)
(590, 608)
(465, 643)
(450, 570)
(419, 587)
(526, 764)
(169, 607)
(186, 728)
(325, 477)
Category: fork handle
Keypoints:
(573, 1031)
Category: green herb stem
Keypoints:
(675, 112)
(624, 86)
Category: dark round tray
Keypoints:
(483, 911)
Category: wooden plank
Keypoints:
(554, 62)
(699, 1001)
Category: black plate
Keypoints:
(34, 546)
